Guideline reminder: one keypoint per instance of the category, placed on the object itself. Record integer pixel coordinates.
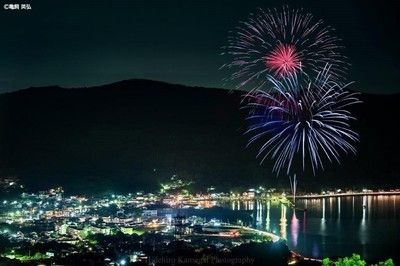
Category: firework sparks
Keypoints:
(298, 121)
(281, 43)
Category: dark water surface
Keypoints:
(331, 227)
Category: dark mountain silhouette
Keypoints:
(129, 135)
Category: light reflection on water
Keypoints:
(368, 225)
(283, 222)
(294, 229)
(268, 219)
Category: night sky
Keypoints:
(97, 42)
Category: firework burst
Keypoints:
(301, 121)
(281, 43)
(284, 60)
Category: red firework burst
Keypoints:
(283, 60)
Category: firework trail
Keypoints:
(301, 121)
(281, 43)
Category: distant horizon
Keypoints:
(317, 192)
(170, 83)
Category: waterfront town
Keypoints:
(51, 228)
(48, 226)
